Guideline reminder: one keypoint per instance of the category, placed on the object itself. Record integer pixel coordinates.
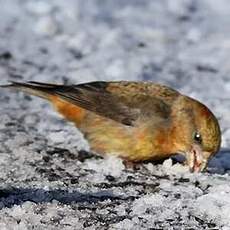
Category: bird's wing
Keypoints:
(124, 102)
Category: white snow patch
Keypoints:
(111, 165)
(148, 201)
(57, 137)
(215, 206)
(39, 7)
(150, 167)
(46, 26)
(168, 167)
(126, 224)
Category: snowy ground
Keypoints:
(48, 179)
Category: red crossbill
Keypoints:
(137, 121)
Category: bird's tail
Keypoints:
(43, 90)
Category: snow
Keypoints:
(215, 206)
(49, 179)
(111, 165)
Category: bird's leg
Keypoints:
(131, 165)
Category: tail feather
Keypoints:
(43, 90)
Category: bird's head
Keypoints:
(196, 132)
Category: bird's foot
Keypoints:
(131, 165)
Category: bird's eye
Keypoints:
(197, 137)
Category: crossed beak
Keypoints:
(197, 159)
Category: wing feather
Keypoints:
(124, 102)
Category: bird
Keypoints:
(135, 120)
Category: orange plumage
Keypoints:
(69, 111)
(136, 121)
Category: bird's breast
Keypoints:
(106, 136)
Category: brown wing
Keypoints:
(124, 102)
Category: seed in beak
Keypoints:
(196, 159)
